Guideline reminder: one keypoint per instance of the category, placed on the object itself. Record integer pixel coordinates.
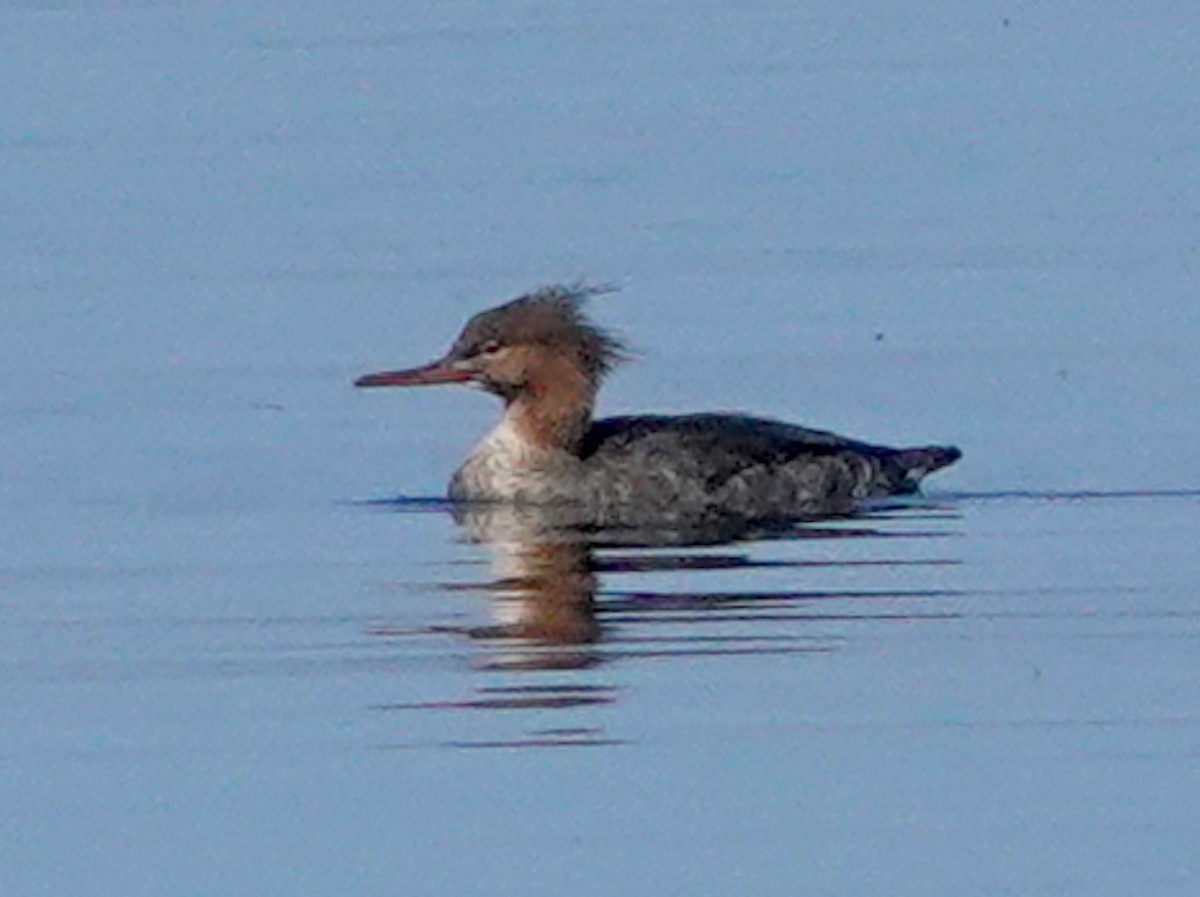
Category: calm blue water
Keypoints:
(229, 665)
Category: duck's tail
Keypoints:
(914, 464)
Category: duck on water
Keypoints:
(546, 360)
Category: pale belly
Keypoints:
(504, 467)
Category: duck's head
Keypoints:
(522, 348)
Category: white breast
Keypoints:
(506, 466)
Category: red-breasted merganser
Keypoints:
(546, 360)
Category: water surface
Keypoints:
(232, 663)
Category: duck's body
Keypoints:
(650, 467)
(546, 361)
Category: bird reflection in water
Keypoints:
(543, 590)
(554, 624)
(546, 577)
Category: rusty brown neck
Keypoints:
(554, 409)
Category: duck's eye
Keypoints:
(491, 347)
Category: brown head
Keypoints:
(539, 353)
(539, 343)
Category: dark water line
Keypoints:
(537, 743)
(930, 506)
(1073, 495)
